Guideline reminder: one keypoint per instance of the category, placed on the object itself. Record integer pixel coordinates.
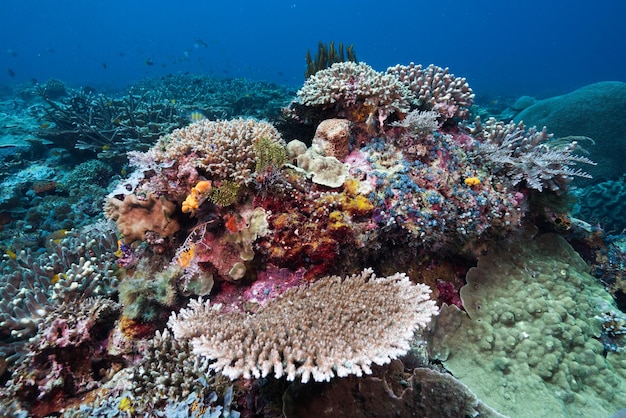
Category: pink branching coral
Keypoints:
(436, 89)
(356, 91)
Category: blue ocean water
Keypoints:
(508, 48)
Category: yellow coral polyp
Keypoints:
(351, 187)
(472, 181)
(203, 187)
(190, 204)
(357, 206)
(336, 221)
(185, 257)
(126, 405)
(196, 197)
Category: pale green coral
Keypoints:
(529, 346)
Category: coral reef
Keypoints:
(79, 266)
(262, 255)
(594, 111)
(110, 126)
(390, 391)
(318, 332)
(332, 138)
(224, 150)
(152, 386)
(66, 358)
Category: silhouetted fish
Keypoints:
(200, 43)
(11, 73)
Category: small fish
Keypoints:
(104, 65)
(58, 235)
(44, 125)
(12, 53)
(149, 62)
(55, 279)
(196, 116)
(172, 101)
(200, 43)
(11, 73)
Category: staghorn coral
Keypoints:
(527, 155)
(168, 371)
(356, 92)
(434, 88)
(108, 126)
(334, 327)
(80, 265)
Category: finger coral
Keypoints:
(334, 327)
(436, 89)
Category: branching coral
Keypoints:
(356, 89)
(168, 371)
(334, 327)
(223, 150)
(79, 266)
(434, 88)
